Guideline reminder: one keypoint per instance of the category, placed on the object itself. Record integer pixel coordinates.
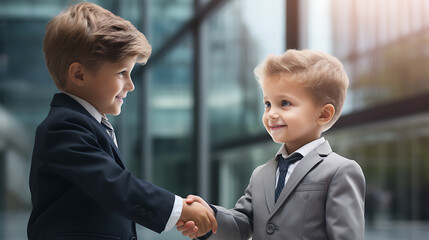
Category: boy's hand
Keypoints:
(200, 215)
(188, 229)
(192, 198)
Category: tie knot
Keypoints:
(106, 123)
(284, 163)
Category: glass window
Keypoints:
(235, 39)
(383, 46)
(394, 158)
(26, 90)
(384, 43)
(318, 25)
(171, 130)
(171, 119)
(166, 17)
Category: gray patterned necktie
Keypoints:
(109, 129)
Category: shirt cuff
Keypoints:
(175, 213)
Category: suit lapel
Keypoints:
(305, 165)
(118, 157)
(269, 183)
(116, 152)
(63, 100)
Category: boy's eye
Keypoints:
(285, 103)
(267, 104)
(122, 73)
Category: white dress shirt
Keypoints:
(304, 150)
(178, 202)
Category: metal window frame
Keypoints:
(201, 137)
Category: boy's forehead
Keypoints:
(281, 80)
(283, 86)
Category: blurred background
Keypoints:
(193, 124)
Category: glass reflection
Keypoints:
(171, 119)
(235, 40)
(383, 45)
(166, 17)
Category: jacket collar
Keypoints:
(313, 158)
(63, 100)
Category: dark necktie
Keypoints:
(284, 164)
(109, 129)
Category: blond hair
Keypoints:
(320, 73)
(89, 34)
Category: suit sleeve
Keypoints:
(76, 155)
(345, 204)
(236, 223)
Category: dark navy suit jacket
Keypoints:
(80, 188)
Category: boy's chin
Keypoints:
(114, 113)
(277, 140)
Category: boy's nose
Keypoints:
(130, 85)
(272, 114)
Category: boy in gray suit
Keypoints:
(306, 191)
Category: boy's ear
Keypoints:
(76, 73)
(326, 114)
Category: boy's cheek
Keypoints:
(265, 123)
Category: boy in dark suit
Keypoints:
(306, 191)
(80, 188)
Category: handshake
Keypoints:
(197, 218)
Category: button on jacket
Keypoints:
(322, 199)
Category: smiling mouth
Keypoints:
(277, 126)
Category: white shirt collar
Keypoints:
(91, 109)
(304, 150)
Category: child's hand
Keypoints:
(188, 229)
(192, 198)
(200, 215)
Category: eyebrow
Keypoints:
(283, 96)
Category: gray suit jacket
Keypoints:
(323, 199)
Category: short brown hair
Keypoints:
(320, 73)
(89, 34)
